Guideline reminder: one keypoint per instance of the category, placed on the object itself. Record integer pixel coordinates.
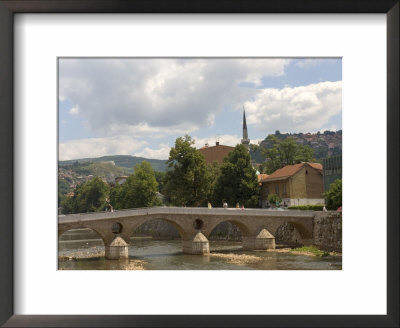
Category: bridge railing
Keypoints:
(182, 211)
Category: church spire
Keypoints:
(245, 140)
(245, 136)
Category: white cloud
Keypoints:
(74, 110)
(159, 92)
(96, 147)
(161, 153)
(331, 128)
(299, 109)
(145, 130)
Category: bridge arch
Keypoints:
(129, 229)
(97, 231)
(160, 227)
(291, 231)
(245, 231)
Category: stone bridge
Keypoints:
(257, 226)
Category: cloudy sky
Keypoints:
(133, 106)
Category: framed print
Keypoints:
(56, 71)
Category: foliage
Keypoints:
(255, 153)
(60, 198)
(139, 190)
(187, 181)
(273, 199)
(284, 152)
(213, 174)
(68, 205)
(88, 197)
(160, 177)
(333, 197)
(307, 207)
(63, 186)
(238, 180)
(63, 189)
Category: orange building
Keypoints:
(215, 153)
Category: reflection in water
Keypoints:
(86, 253)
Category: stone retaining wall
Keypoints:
(328, 231)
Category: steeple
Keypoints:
(245, 136)
(245, 140)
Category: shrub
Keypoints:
(311, 249)
(333, 197)
(273, 199)
(307, 207)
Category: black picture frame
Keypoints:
(10, 7)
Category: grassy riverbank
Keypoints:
(307, 251)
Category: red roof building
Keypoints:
(298, 184)
(215, 153)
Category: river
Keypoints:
(82, 250)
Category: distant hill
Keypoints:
(123, 161)
(74, 172)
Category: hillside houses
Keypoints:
(326, 144)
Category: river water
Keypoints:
(82, 250)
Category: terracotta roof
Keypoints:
(289, 170)
(262, 177)
(315, 165)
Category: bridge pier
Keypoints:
(197, 245)
(263, 241)
(118, 249)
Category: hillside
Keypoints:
(326, 144)
(124, 161)
(74, 172)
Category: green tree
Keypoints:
(333, 197)
(160, 177)
(187, 179)
(92, 195)
(214, 172)
(238, 180)
(284, 152)
(139, 190)
(255, 153)
(63, 186)
(68, 205)
(88, 197)
(116, 196)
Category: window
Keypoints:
(277, 190)
(284, 188)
